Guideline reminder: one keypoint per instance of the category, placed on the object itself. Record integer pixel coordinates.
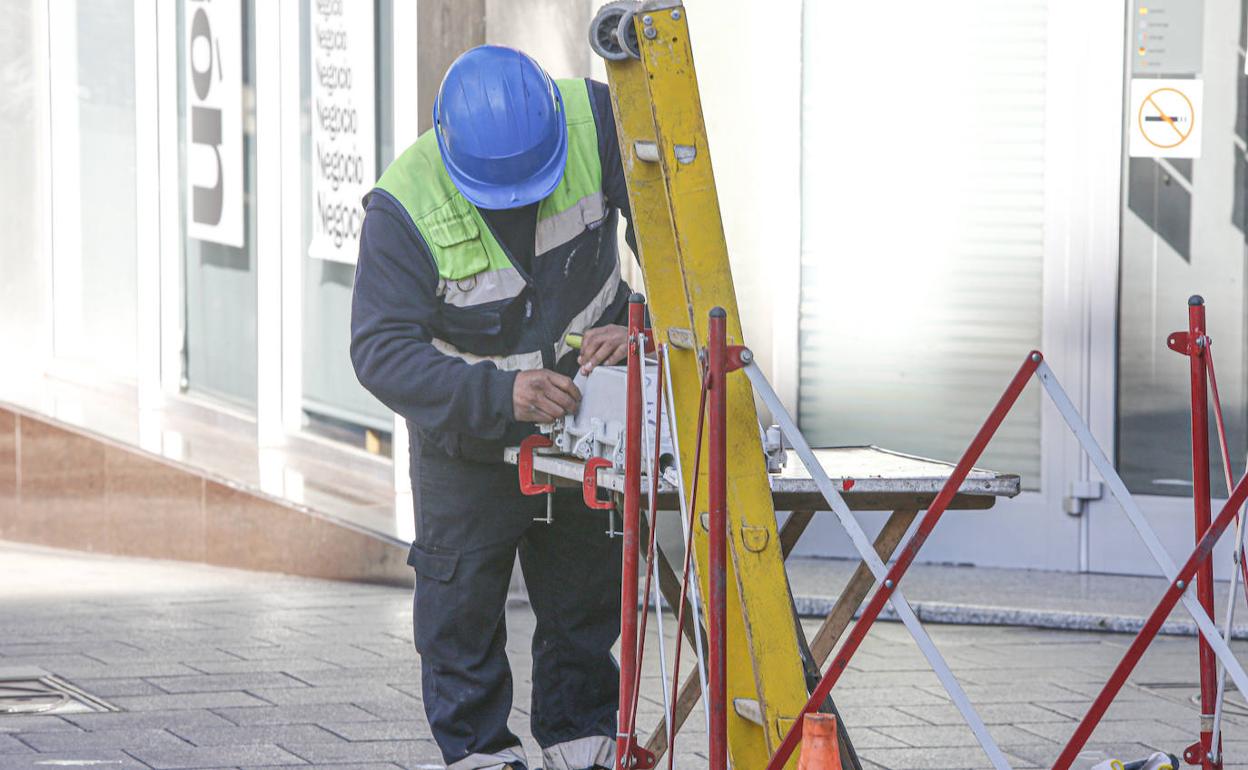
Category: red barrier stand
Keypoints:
(1198, 567)
(717, 540)
(1201, 752)
(627, 751)
(721, 360)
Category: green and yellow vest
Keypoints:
(474, 271)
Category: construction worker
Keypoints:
(484, 244)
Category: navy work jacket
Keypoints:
(466, 409)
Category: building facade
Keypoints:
(913, 200)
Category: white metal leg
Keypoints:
(694, 603)
(1237, 555)
(1229, 626)
(867, 551)
(1151, 541)
(652, 464)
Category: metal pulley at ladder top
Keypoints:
(612, 33)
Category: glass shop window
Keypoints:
(217, 143)
(923, 225)
(346, 98)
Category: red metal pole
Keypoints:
(652, 517)
(631, 537)
(1197, 343)
(908, 554)
(717, 595)
(1200, 556)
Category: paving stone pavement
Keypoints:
(216, 668)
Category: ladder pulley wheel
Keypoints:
(612, 34)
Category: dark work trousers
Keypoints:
(471, 522)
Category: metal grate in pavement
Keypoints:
(46, 695)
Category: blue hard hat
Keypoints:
(501, 128)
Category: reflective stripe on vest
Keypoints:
(558, 229)
(533, 359)
(489, 286)
(517, 362)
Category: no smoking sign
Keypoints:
(1164, 118)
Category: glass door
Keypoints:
(1182, 234)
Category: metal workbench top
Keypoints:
(869, 478)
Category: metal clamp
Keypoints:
(589, 484)
(529, 485)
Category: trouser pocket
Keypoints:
(438, 599)
(435, 564)
(460, 633)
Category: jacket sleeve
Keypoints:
(392, 306)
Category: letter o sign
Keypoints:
(201, 53)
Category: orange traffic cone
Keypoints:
(820, 748)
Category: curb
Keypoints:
(979, 615)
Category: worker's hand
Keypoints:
(541, 395)
(603, 345)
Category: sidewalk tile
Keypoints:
(250, 682)
(405, 753)
(300, 714)
(190, 757)
(279, 735)
(201, 700)
(104, 760)
(379, 731)
(133, 738)
(116, 720)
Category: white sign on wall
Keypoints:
(1164, 118)
(344, 148)
(213, 84)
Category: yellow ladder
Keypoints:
(684, 258)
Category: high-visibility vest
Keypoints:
(474, 272)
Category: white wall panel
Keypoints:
(923, 203)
